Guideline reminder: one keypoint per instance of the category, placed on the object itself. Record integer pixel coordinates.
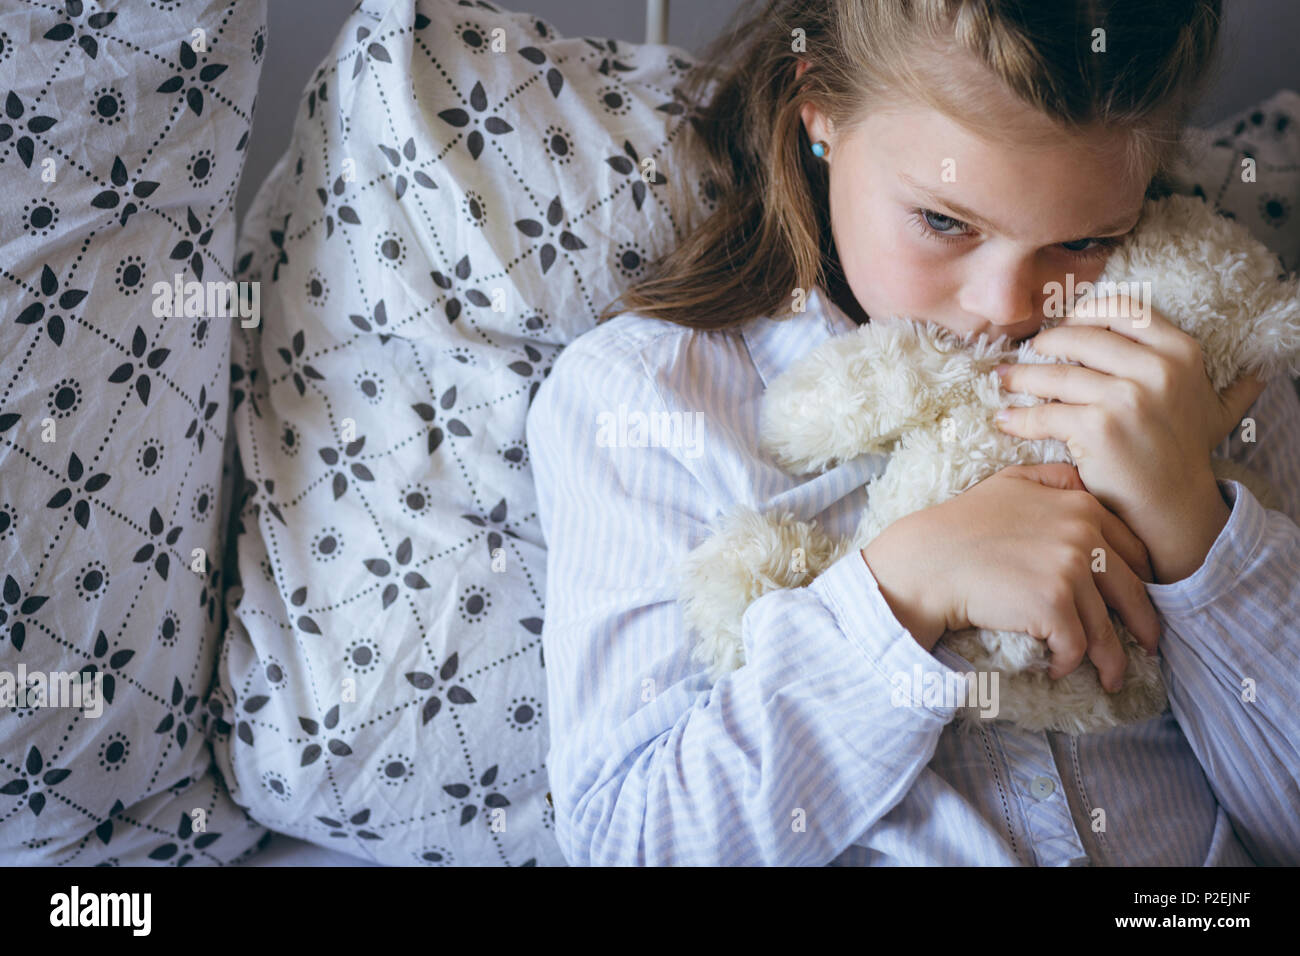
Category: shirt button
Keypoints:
(1042, 787)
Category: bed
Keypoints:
(309, 587)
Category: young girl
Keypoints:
(942, 159)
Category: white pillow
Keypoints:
(1248, 167)
(121, 146)
(382, 688)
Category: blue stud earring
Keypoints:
(819, 149)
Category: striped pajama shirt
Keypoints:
(800, 757)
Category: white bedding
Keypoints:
(446, 219)
(288, 851)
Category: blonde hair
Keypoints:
(770, 233)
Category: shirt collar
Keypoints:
(776, 344)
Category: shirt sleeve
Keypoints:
(1230, 649)
(785, 761)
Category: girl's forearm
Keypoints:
(1191, 526)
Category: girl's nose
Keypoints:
(1003, 294)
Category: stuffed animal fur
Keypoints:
(927, 398)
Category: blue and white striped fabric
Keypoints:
(800, 757)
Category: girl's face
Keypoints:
(933, 222)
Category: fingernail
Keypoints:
(1002, 416)
(1002, 370)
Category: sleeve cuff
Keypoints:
(1233, 550)
(849, 590)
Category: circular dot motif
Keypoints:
(1274, 210)
(317, 289)
(534, 325)
(361, 657)
(107, 106)
(114, 751)
(677, 66)
(35, 699)
(433, 855)
(64, 398)
(524, 713)
(629, 259)
(516, 456)
(274, 672)
(203, 502)
(389, 249)
(415, 499)
(474, 207)
(169, 628)
(395, 769)
(290, 441)
(8, 520)
(149, 457)
(474, 603)
(368, 384)
(327, 545)
(474, 37)
(277, 787)
(40, 217)
(199, 167)
(92, 581)
(558, 146)
(708, 193)
(129, 275)
(614, 100)
(462, 355)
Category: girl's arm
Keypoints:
(785, 761)
(1231, 645)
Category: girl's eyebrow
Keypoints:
(1117, 227)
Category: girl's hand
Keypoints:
(1140, 418)
(1018, 552)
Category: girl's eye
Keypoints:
(939, 222)
(1100, 248)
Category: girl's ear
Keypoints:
(816, 125)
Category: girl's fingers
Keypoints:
(1124, 592)
(1128, 545)
(1067, 639)
(1059, 474)
(1072, 384)
(1237, 400)
(1100, 348)
(1103, 648)
(1134, 320)
(1050, 420)
(1085, 626)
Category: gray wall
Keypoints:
(1261, 44)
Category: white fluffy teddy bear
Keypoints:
(927, 398)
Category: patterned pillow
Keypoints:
(121, 143)
(463, 192)
(1248, 166)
